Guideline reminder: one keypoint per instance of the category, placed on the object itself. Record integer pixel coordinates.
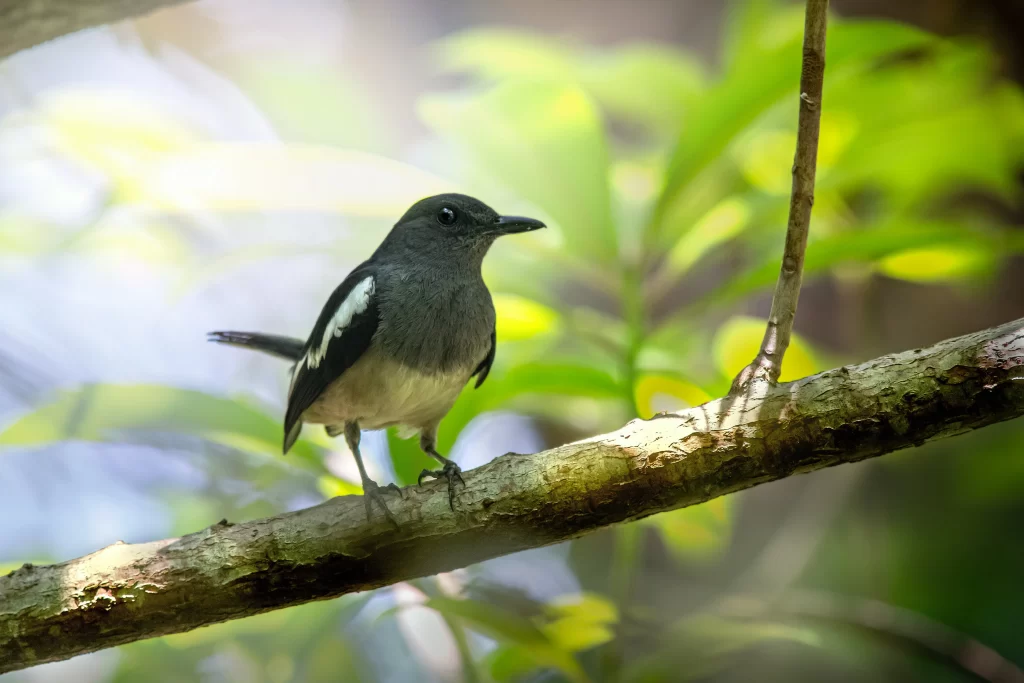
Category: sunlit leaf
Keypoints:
(508, 627)
(519, 318)
(580, 622)
(739, 339)
(697, 532)
(332, 487)
(838, 130)
(112, 412)
(657, 393)
(544, 141)
(585, 607)
(573, 635)
(937, 264)
(766, 160)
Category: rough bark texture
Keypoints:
(126, 592)
(767, 365)
(24, 23)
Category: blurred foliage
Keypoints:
(654, 173)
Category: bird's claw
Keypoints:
(451, 472)
(394, 487)
(372, 494)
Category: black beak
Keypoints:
(510, 225)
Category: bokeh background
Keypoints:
(222, 164)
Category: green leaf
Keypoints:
(519, 318)
(940, 263)
(111, 413)
(745, 94)
(332, 487)
(408, 460)
(552, 378)
(660, 392)
(572, 635)
(754, 26)
(722, 223)
(510, 663)
(865, 245)
(946, 95)
(650, 84)
(647, 83)
(545, 142)
(511, 628)
(581, 622)
(500, 53)
(699, 532)
(590, 608)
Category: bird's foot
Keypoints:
(451, 472)
(372, 493)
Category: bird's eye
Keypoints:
(446, 216)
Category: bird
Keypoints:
(400, 337)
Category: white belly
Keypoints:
(378, 392)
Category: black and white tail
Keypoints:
(282, 347)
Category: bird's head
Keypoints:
(457, 221)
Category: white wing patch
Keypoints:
(355, 303)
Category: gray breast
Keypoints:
(433, 320)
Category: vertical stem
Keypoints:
(635, 314)
(768, 363)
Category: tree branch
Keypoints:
(767, 365)
(125, 593)
(24, 23)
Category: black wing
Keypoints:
(485, 365)
(338, 339)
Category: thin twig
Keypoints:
(767, 365)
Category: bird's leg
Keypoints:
(371, 491)
(449, 470)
